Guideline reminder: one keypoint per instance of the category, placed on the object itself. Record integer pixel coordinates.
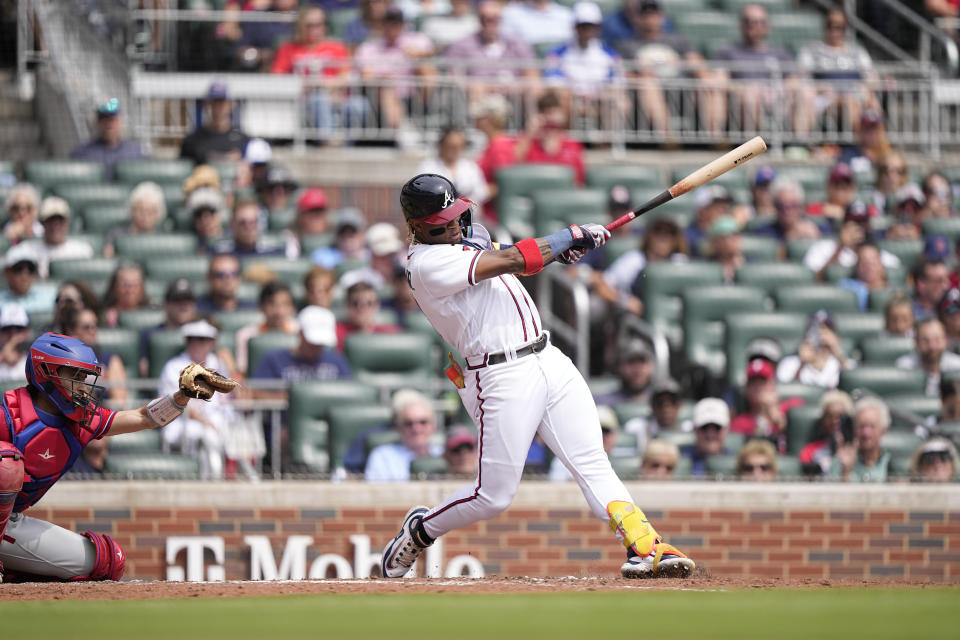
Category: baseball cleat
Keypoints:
(404, 550)
(665, 561)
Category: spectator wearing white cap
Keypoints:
(384, 245)
(147, 207)
(55, 245)
(258, 154)
(935, 460)
(711, 420)
(200, 432)
(314, 358)
(20, 269)
(451, 164)
(584, 64)
(14, 341)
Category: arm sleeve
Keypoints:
(443, 270)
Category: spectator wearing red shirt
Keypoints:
(362, 307)
(490, 118)
(766, 414)
(546, 139)
(325, 65)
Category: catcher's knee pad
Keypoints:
(110, 559)
(11, 480)
(632, 527)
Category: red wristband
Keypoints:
(532, 257)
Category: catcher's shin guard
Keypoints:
(11, 480)
(632, 527)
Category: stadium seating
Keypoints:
(949, 227)
(125, 343)
(679, 438)
(856, 326)
(146, 441)
(81, 197)
(558, 208)
(140, 319)
(664, 284)
(810, 298)
(793, 30)
(788, 468)
(86, 269)
(152, 466)
(289, 271)
(233, 320)
(722, 466)
(774, 276)
(628, 410)
(626, 467)
(348, 422)
(704, 312)
(261, 344)
(102, 219)
(797, 248)
(308, 418)
(759, 248)
(900, 443)
(704, 27)
(885, 350)
(785, 328)
(631, 176)
(423, 468)
(923, 406)
(160, 170)
(46, 173)
(882, 380)
(391, 359)
(163, 345)
(909, 251)
(516, 185)
(801, 427)
(169, 268)
(772, 6)
(156, 245)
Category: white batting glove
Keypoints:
(589, 236)
(571, 256)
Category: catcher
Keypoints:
(43, 428)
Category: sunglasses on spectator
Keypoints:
(87, 327)
(411, 423)
(223, 275)
(898, 170)
(67, 300)
(751, 22)
(20, 207)
(713, 426)
(750, 468)
(362, 303)
(463, 448)
(661, 465)
(20, 267)
(935, 456)
(836, 26)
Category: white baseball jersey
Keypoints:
(491, 316)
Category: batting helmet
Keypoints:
(66, 371)
(433, 199)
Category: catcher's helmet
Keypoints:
(433, 199)
(66, 371)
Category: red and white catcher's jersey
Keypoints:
(491, 316)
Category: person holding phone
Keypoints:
(820, 357)
(833, 430)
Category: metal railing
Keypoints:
(564, 305)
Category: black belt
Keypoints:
(533, 347)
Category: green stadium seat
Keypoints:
(732, 180)
(909, 251)
(703, 27)
(683, 468)
(233, 320)
(759, 248)
(774, 276)
(882, 380)
(794, 29)
(310, 404)
(558, 208)
(126, 344)
(140, 319)
(665, 282)
(287, 270)
(772, 6)
(391, 358)
(626, 467)
(801, 426)
(160, 170)
(41, 320)
(169, 268)
(349, 421)
(704, 312)
(923, 406)
(156, 245)
(280, 220)
(722, 466)
(95, 240)
(88, 269)
(885, 350)
(788, 468)
(516, 185)
(949, 429)
(424, 468)
(102, 219)
(163, 345)
(45, 174)
(810, 298)
(84, 196)
(949, 227)
(796, 249)
(879, 299)
(152, 466)
(630, 175)
(858, 326)
(617, 246)
(677, 437)
(603, 384)
(786, 328)
(900, 443)
(269, 341)
(338, 20)
(388, 436)
(146, 441)
(311, 242)
(811, 177)
(173, 196)
(629, 410)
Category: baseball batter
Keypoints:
(43, 428)
(516, 383)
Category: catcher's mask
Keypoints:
(433, 199)
(66, 371)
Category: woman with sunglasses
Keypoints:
(935, 460)
(757, 461)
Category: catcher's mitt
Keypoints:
(199, 382)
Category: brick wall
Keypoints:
(743, 540)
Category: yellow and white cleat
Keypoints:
(664, 561)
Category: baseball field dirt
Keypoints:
(529, 608)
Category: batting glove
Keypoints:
(589, 236)
(571, 256)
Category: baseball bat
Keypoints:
(701, 176)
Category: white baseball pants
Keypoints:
(44, 549)
(511, 402)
